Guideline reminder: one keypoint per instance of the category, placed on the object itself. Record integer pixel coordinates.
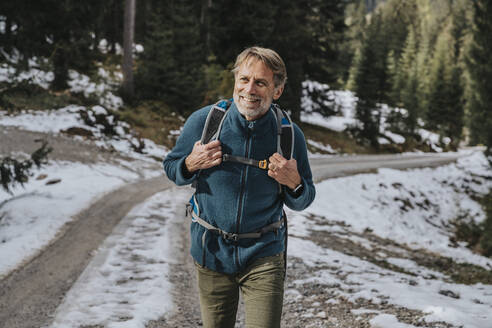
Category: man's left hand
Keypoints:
(284, 171)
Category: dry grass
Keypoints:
(153, 120)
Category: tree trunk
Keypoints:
(129, 30)
(205, 23)
(60, 63)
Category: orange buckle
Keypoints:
(263, 164)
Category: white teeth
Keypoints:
(250, 99)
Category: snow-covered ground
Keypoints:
(130, 271)
(343, 207)
(33, 214)
(127, 283)
(37, 74)
(412, 208)
(58, 120)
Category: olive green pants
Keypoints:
(262, 288)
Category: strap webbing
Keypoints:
(234, 236)
(263, 164)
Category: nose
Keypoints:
(250, 87)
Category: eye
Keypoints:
(261, 83)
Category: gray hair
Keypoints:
(269, 57)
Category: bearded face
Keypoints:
(254, 89)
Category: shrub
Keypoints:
(13, 171)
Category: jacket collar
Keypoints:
(264, 124)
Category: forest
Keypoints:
(428, 58)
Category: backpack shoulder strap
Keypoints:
(213, 123)
(285, 132)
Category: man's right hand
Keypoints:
(204, 156)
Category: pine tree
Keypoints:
(407, 83)
(479, 64)
(352, 75)
(59, 30)
(13, 171)
(355, 18)
(410, 101)
(440, 78)
(171, 67)
(445, 106)
(370, 80)
(455, 116)
(393, 95)
(423, 63)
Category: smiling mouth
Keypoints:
(250, 99)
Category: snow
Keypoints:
(127, 283)
(414, 207)
(33, 75)
(103, 91)
(369, 201)
(326, 148)
(58, 120)
(33, 216)
(344, 103)
(368, 281)
(387, 320)
(36, 74)
(52, 121)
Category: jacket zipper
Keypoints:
(241, 195)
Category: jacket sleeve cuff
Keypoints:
(298, 202)
(297, 191)
(183, 176)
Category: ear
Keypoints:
(278, 92)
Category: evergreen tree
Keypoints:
(352, 74)
(410, 101)
(440, 78)
(423, 62)
(392, 72)
(455, 119)
(408, 83)
(445, 107)
(172, 65)
(59, 30)
(14, 172)
(479, 64)
(370, 80)
(356, 26)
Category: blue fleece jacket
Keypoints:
(238, 198)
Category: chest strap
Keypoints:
(233, 236)
(263, 164)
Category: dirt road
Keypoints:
(30, 295)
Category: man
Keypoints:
(236, 198)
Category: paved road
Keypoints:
(30, 295)
(338, 166)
